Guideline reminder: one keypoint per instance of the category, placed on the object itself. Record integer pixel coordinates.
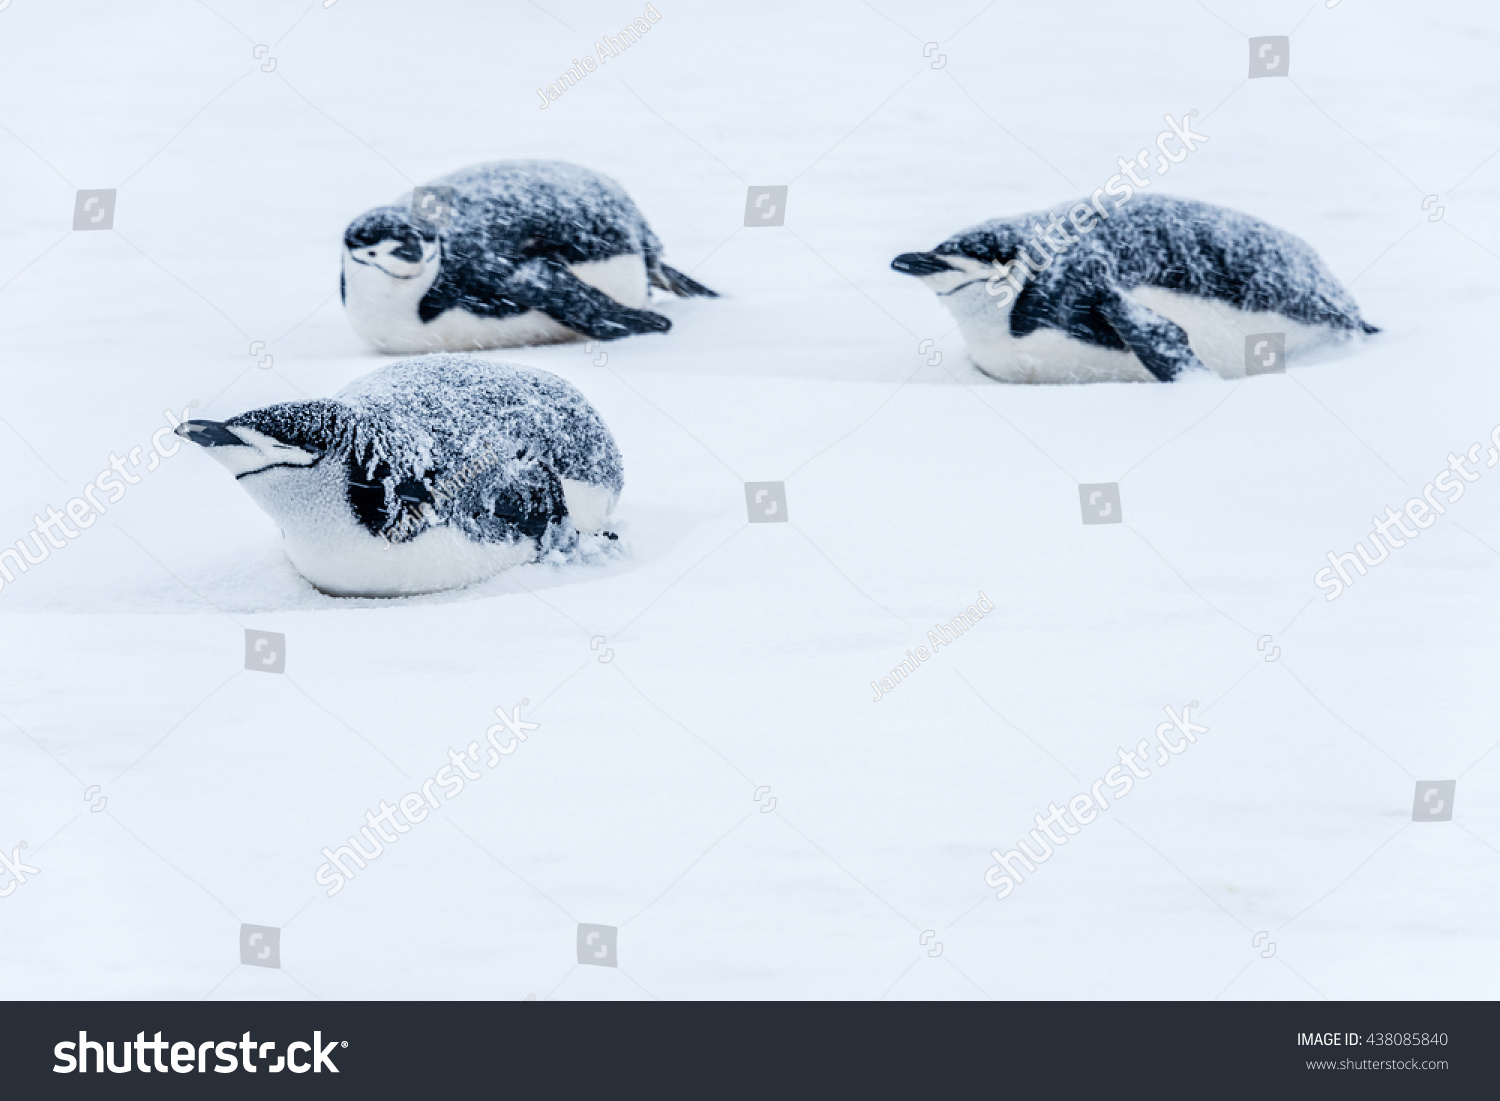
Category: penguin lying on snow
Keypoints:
(1150, 290)
(533, 252)
(429, 474)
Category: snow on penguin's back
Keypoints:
(443, 408)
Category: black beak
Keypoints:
(209, 434)
(410, 251)
(920, 263)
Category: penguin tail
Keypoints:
(1368, 328)
(670, 279)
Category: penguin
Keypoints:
(428, 474)
(1158, 289)
(532, 252)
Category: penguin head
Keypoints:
(944, 273)
(387, 240)
(288, 457)
(293, 435)
(970, 257)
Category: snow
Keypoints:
(722, 665)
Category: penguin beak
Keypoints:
(921, 263)
(209, 434)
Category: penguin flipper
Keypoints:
(548, 286)
(670, 279)
(1160, 344)
(531, 502)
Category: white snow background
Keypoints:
(742, 655)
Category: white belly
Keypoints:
(383, 311)
(460, 331)
(351, 562)
(1216, 331)
(1049, 355)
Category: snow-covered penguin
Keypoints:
(1149, 290)
(505, 254)
(428, 474)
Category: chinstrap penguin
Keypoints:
(428, 474)
(1150, 290)
(531, 252)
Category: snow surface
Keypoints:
(724, 658)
